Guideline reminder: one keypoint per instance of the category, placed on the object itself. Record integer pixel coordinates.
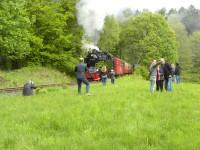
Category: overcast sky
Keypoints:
(113, 6)
(91, 13)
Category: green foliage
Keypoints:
(124, 116)
(185, 22)
(184, 45)
(147, 37)
(14, 33)
(40, 32)
(195, 39)
(142, 71)
(64, 62)
(56, 34)
(108, 64)
(109, 37)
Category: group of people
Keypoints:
(104, 75)
(80, 70)
(162, 74)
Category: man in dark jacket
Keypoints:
(112, 76)
(28, 88)
(80, 70)
(167, 74)
(177, 73)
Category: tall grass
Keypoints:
(116, 117)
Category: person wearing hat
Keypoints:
(177, 73)
(80, 70)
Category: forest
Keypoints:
(47, 33)
(140, 36)
(35, 32)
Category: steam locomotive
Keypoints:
(118, 65)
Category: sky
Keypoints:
(113, 6)
(91, 13)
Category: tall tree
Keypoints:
(109, 37)
(195, 39)
(191, 18)
(56, 35)
(14, 33)
(147, 37)
(184, 43)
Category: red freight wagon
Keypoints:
(118, 66)
(121, 67)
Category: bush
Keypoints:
(64, 62)
(142, 71)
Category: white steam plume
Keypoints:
(90, 19)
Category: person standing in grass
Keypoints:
(112, 76)
(167, 75)
(173, 72)
(177, 73)
(80, 70)
(159, 78)
(153, 75)
(104, 75)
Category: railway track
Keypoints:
(18, 89)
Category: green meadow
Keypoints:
(124, 116)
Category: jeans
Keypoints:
(79, 82)
(104, 79)
(169, 85)
(174, 78)
(178, 79)
(152, 85)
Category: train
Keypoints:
(94, 56)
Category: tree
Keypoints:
(56, 35)
(162, 11)
(14, 33)
(184, 43)
(147, 37)
(39, 31)
(126, 14)
(172, 11)
(195, 39)
(109, 37)
(191, 18)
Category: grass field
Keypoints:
(124, 116)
